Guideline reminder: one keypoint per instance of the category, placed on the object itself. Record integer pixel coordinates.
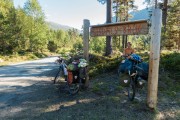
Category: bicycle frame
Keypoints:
(134, 81)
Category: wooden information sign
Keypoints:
(123, 28)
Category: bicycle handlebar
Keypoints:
(131, 58)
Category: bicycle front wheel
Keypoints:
(59, 76)
(131, 89)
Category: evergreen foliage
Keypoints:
(25, 30)
(172, 33)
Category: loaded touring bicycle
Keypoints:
(73, 74)
(136, 72)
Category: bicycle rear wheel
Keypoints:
(131, 89)
(59, 76)
(73, 88)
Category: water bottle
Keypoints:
(65, 71)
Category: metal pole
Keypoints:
(154, 58)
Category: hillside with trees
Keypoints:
(32, 34)
(30, 31)
(56, 26)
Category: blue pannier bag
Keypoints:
(143, 69)
(127, 65)
(124, 67)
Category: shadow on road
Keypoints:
(27, 70)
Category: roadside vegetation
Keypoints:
(15, 58)
(31, 36)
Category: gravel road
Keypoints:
(19, 85)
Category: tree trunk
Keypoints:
(108, 20)
(126, 19)
(4, 46)
(156, 3)
(179, 42)
(123, 42)
(164, 16)
(86, 46)
(125, 39)
(119, 42)
(116, 11)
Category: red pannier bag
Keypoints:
(70, 77)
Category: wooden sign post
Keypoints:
(86, 25)
(154, 58)
(123, 28)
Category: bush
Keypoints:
(52, 46)
(78, 46)
(31, 57)
(40, 55)
(101, 64)
(170, 61)
(97, 44)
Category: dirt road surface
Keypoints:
(24, 86)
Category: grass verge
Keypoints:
(15, 58)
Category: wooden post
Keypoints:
(154, 58)
(86, 25)
(108, 20)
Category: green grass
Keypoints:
(170, 61)
(168, 85)
(15, 58)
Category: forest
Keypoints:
(24, 31)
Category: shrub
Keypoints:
(101, 64)
(170, 61)
(52, 46)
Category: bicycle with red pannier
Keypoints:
(74, 74)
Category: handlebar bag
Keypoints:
(72, 67)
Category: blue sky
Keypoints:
(72, 12)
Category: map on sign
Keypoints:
(123, 28)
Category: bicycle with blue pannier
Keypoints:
(136, 71)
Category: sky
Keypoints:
(72, 12)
